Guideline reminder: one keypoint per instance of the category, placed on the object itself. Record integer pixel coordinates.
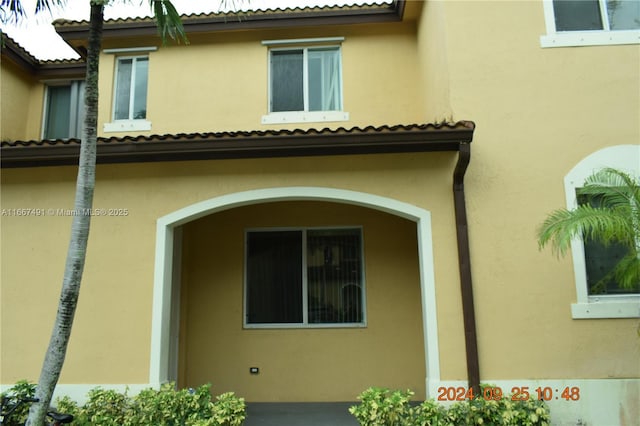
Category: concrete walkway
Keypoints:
(300, 414)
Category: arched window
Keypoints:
(589, 304)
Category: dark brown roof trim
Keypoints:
(65, 68)
(17, 54)
(255, 144)
(279, 18)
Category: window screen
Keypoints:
(311, 276)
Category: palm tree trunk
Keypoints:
(55, 355)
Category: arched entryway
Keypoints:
(164, 363)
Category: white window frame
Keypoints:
(305, 314)
(605, 36)
(622, 157)
(127, 124)
(76, 115)
(305, 45)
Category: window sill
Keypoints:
(306, 326)
(590, 38)
(621, 307)
(127, 125)
(304, 117)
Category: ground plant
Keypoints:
(385, 407)
(166, 406)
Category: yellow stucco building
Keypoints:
(338, 197)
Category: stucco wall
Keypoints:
(224, 88)
(327, 364)
(118, 280)
(538, 113)
(21, 104)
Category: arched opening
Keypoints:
(174, 233)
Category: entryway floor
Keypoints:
(300, 414)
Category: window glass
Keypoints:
(58, 112)
(600, 260)
(304, 277)
(577, 15)
(64, 110)
(123, 89)
(287, 82)
(274, 277)
(324, 80)
(304, 80)
(140, 96)
(131, 89)
(334, 276)
(624, 14)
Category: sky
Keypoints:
(38, 37)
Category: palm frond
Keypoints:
(614, 187)
(168, 21)
(11, 11)
(627, 272)
(600, 224)
(47, 5)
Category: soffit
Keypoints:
(252, 144)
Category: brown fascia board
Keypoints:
(13, 52)
(257, 144)
(137, 27)
(16, 54)
(67, 69)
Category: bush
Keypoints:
(20, 390)
(164, 407)
(383, 407)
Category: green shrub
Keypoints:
(20, 390)
(164, 407)
(383, 407)
(228, 410)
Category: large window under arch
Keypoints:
(304, 277)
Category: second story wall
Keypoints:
(220, 82)
(21, 98)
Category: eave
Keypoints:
(75, 33)
(234, 145)
(44, 70)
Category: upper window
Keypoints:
(131, 88)
(130, 94)
(304, 277)
(599, 296)
(591, 22)
(305, 84)
(63, 112)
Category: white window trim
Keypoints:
(294, 41)
(304, 117)
(284, 117)
(305, 314)
(129, 124)
(555, 38)
(623, 157)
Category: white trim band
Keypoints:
(130, 49)
(304, 117)
(302, 41)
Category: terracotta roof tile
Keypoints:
(245, 144)
(269, 11)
